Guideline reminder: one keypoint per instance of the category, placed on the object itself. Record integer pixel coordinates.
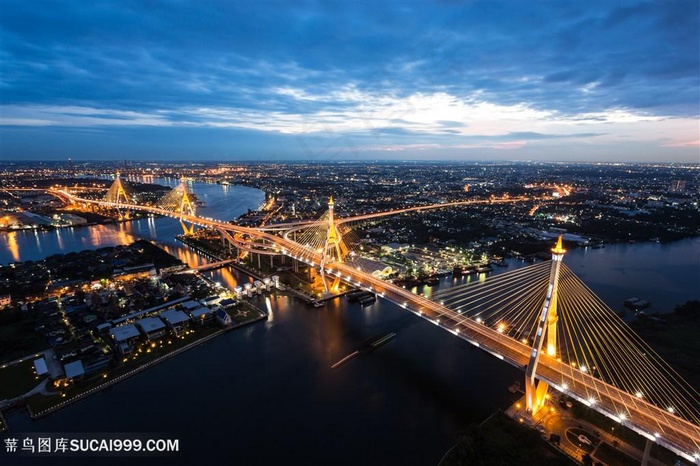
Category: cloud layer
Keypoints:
(461, 80)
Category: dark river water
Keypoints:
(266, 394)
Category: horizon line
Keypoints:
(348, 161)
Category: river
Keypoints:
(266, 393)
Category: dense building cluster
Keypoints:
(102, 308)
(588, 203)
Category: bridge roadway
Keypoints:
(212, 265)
(303, 224)
(294, 226)
(500, 200)
(673, 432)
(654, 423)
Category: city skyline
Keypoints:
(508, 81)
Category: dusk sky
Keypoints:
(350, 80)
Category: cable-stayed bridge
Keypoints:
(542, 319)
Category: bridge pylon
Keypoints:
(334, 249)
(187, 207)
(536, 391)
(120, 193)
(180, 200)
(187, 229)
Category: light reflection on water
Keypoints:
(226, 278)
(152, 227)
(59, 239)
(226, 202)
(186, 255)
(12, 245)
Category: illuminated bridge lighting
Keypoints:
(673, 414)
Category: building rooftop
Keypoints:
(74, 369)
(191, 304)
(124, 332)
(40, 366)
(227, 302)
(150, 324)
(199, 312)
(174, 317)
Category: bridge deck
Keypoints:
(653, 422)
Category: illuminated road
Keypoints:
(647, 419)
(500, 200)
(653, 422)
(289, 228)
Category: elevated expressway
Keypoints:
(650, 421)
(288, 228)
(499, 200)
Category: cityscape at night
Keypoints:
(382, 233)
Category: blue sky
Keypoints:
(338, 80)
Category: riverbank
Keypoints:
(63, 392)
(501, 441)
(38, 404)
(92, 218)
(674, 337)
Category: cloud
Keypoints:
(44, 115)
(684, 144)
(410, 73)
